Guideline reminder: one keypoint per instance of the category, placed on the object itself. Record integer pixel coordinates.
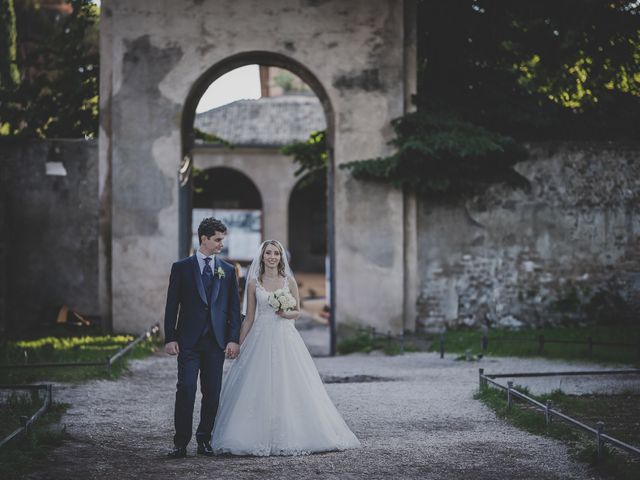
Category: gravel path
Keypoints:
(424, 424)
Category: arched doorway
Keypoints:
(189, 136)
(309, 258)
(232, 197)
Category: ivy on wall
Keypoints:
(435, 156)
(440, 156)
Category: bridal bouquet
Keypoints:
(281, 300)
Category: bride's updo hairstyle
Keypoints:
(276, 244)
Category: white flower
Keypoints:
(281, 300)
(273, 301)
(220, 272)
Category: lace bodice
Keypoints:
(263, 309)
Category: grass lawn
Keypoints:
(524, 343)
(366, 342)
(24, 453)
(511, 343)
(620, 413)
(66, 350)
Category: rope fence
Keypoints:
(27, 422)
(108, 363)
(547, 408)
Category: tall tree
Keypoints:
(59, 60)
(9, 75)
(533, 69)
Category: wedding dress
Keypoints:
(273, 401)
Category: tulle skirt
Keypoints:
(273, 401)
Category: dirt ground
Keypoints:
(422, 422)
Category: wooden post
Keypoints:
(540, 344)
(481, 381)
(484, 343)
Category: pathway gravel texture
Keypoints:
(424, 424)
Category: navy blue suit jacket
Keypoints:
(187, 310)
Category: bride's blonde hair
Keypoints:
(278, 245)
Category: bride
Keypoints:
(273, 401)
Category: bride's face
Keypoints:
(271, 256)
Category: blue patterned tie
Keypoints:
(207, 282)
(207, 278)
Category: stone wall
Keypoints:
(157, 58)
(567, 250)
(49, 231)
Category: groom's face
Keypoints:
(213, 244)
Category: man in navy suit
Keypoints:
(201, 326)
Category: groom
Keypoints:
(201, 325)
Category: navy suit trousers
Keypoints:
(206, 358)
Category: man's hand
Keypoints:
(172, 348)
(232, 350)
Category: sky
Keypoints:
(238, 84)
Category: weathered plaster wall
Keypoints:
(50, 231)
(156, 51)
(567, 250)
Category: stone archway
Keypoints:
(156, 57)
(233, 197)
(274, 59)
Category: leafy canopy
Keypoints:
(57, 96)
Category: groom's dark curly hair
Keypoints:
(209, 226)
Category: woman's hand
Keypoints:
(290, 315)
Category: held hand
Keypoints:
(232, 350)
(172, 348)
(290, 315)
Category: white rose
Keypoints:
(273, 301)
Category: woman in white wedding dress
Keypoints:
(273, 401)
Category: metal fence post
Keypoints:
(599, 430)
(442, 345)
(108, 365)
(24, 421)
(509, 400)
(547, 415)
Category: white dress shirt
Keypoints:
(201, 263)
